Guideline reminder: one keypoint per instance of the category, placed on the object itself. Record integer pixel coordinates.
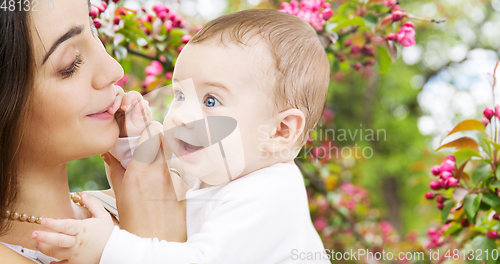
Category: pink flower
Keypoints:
(327, 13)
(149, 79)
(488, 113)
(397, 15)
(123, 80)
(447, 165)
(320, 223)
(168, 75)
(406, 36)
(430, 195)
(497, 111)
(451, 182)
(97, 23)
(94, 12)
(168, 25)
(154, 69)
(493, 234)
(450, 157)
(328, 114)
(391, 36)
(435, 185)
(436, 170)
(389, 3)
(445, 175)
(485, 121)
(185, 39)
(159, 8)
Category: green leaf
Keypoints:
(371, 20)
(384, 59)
(448, 204)
(466, 153)
(355, 21)
(482, 243)
(491, 199)
(495, 184)
(471, 206)
(479, 173)
(452, 229)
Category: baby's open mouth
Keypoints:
(186, 148)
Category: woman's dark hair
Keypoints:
(16, 86)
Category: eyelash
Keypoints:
(177, 91)
(72, 69)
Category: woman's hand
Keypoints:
(145, 196)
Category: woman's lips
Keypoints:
(103, 114)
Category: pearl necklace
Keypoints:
(75, 197)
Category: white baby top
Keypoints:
(262, 217)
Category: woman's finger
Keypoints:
(95, 207)
(114, 172)
(118, 101)
(66, 226)
(54, 239)
(49, 250)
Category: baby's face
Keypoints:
(214, 80)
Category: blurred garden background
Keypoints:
(404, 74)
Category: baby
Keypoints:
(248, 88)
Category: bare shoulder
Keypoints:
(8, 255)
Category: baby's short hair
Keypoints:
(302, 68)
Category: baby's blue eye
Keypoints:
(180, 97)
(211, 101)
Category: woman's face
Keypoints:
(74, 78)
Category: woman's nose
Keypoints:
(107, 70)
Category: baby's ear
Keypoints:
(289, 126)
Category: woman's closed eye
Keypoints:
(73, 68)
(211, 101)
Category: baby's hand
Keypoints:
(78, 241)
(137, 118)
(133, 115)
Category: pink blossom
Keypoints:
(488, 112)
(485, 121)
(94, 12)
(435, 185)
(447, 165)
(451, 182)
(497, 111)
(430, 195)
(397, 15)
(391, 36)
(327, 13)
(154, 69)
(185, 39)
(328, 114)
(123, 80)
(436, 170)
(493, 234)
(406, 36)
(320, 223)
(168, 25)
(97, 23)
(168, 75)
(159, 8)
(445, 175)
(389, 3)
(149, 79)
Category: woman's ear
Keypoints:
(289, 126)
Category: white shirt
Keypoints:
(124, 148)
(261, 217)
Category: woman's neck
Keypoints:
(43, 192)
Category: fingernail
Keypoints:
(105, 158)
(34, 236)
(36, 244)
(44, 222)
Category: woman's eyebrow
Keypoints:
(71, 33)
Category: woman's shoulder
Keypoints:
(8, 255)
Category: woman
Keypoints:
(56, 85)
